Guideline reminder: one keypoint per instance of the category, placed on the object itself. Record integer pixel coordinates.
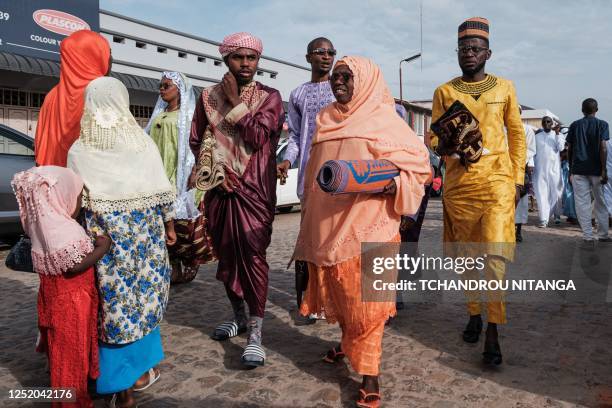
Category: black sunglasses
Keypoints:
(165, 86)
(322, 51)
(466, 49)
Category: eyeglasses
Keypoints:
(165, 86)
(322, 51)
(466, 49)
(344, 75)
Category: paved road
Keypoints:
(556, 355)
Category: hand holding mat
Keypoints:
(356, 176)
(459, 134)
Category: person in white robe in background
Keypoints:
(547, 183)
(522, 209)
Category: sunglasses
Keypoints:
(466, 49)
(322, 51)
(346, 76)
(165, 86)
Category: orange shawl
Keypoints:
(334, 226)
(84, 56)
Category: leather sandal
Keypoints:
(334, 355)
(363, 395)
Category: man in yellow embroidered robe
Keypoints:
(479, 201)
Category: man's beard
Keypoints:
(322, 72)
(242, 81)
(473, 71)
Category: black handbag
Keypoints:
(20, 256)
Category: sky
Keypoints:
(557, 53)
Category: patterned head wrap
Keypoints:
(240, 40)
(474, 27)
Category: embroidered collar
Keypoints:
(474, 88)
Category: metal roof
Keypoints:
(29, 65)
(137, 82)
(43, 67)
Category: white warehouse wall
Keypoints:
(149, 62)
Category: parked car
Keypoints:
(286, 194)
(16, 154)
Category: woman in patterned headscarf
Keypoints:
(169, 128)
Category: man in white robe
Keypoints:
(548, 184)
(522, 209)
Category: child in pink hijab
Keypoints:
(63, 255)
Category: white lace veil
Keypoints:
(185, 201)
(120, 165)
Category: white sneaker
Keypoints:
(542, 224)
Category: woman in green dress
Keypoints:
(169, 128)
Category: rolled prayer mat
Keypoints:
(355, 176)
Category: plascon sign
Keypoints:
(59, 22)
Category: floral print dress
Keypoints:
(134, 276)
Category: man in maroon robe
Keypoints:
(234, 135)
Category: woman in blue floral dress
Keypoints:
(128, 197)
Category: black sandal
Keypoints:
(472, 331)
(492, 353)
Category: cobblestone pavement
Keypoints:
(555, 355)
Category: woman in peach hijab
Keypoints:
(84, 56)
(361, 125)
